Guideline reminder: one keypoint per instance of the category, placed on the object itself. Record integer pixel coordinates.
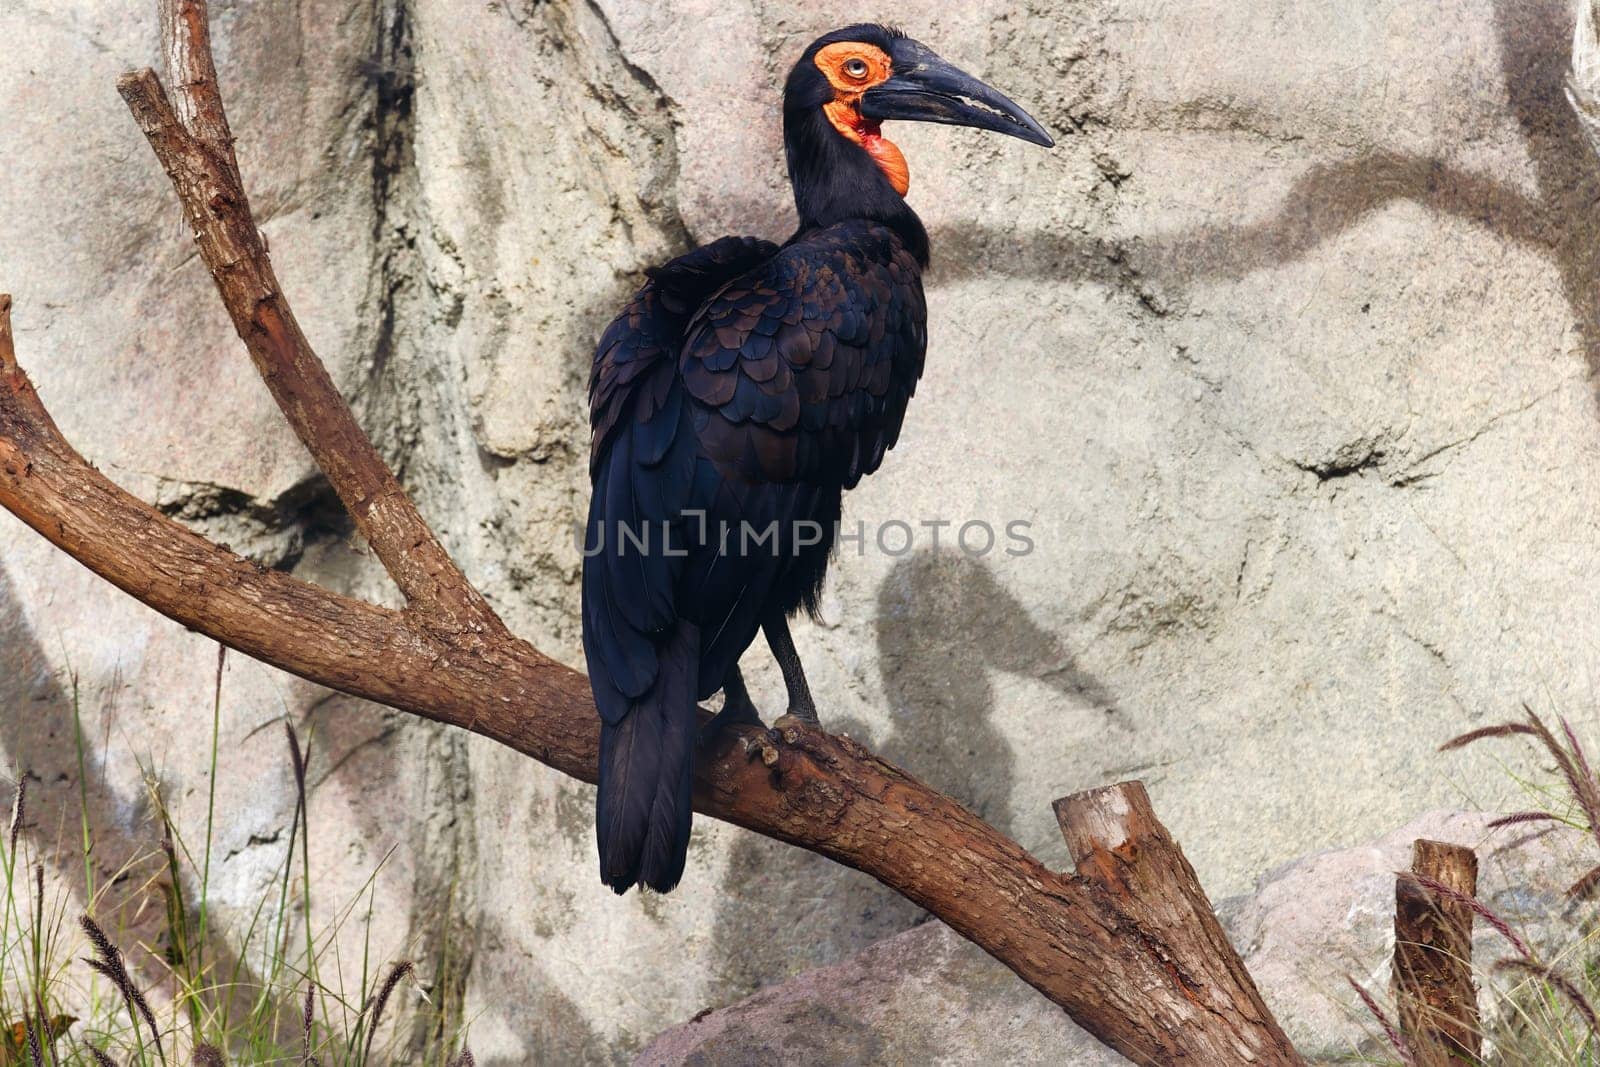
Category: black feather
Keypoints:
(739, 392)
(643, 814)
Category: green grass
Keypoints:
(141, 969)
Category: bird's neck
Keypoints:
(836, 178)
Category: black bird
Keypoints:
(733, 400)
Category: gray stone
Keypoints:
(923, 996)
(1284, 353)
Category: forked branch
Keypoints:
(195, 147)
(1156, 990)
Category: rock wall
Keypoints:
(1284, 353)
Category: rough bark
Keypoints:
(195, 146)
(1432, 973)
(1138, 873)
(1146, 988)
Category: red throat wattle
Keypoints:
(869, 135)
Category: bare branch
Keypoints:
(186, 46)
(448, 657)
(207, 182)
(1122, 849)
(502, 689)
(18, 390)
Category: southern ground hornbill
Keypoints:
(733, 400)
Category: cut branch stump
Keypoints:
(1432, 973)
(1131, 861)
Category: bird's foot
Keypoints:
(806, 713)
(733, 714)
(760, 744)
(730, 715)
(790, 727)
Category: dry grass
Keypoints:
(1540, 1012)
(70, 996)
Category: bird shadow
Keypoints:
(945, 626)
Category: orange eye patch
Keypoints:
(852, 68)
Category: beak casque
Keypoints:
(925, 88)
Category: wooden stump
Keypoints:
(1122, 849)
(1432, 977)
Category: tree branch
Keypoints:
(198, 156)
(499, 687)
(1122, 849)
(449, 659)
(186, 48)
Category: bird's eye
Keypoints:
(856, 68)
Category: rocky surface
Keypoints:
(1284, 353)
(924, 996)
(927, 996)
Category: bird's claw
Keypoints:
(713, 727)
(791, 725)
(760, 744)
(787, 729)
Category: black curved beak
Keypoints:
(924, 88)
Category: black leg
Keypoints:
(737, 707)
(801, 706)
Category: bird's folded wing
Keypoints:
(800, 370)
(649, 332)
(647, 471)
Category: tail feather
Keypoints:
(647, 774)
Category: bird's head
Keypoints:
(859, 77)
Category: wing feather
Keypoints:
(801, 370)
(645, 465)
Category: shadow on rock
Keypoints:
(1535, 53)
(945, 625)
